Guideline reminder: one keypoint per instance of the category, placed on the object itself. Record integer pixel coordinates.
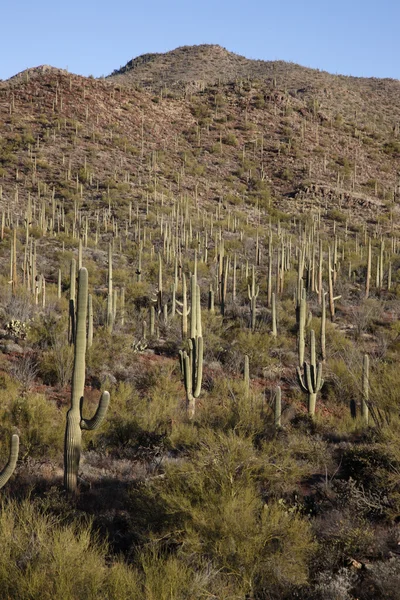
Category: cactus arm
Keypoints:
(313, 378)
(199, 331)
(199, 367)
(187, 376)
(181, 362)
(98, 417)
(320, 382)
(181, 312)
(312, 349)
(12, 461)
(301, 381)
(308, 378)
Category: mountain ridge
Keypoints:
(209, 63)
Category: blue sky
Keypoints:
(91, 37)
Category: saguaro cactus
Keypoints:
(323, 327)
(75, 421)
(71, 321)
(184, 313)
(224, 283)
(301, 312)
(12, 461)
(110, 320)
(192, 362)
(312, 381)
(274, 328)
(246, 374)
(253, 291)
(365, 389)
(278, 406)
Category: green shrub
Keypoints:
(42, 559)
(40, 424)
(221, 515)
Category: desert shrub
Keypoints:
(226, 405)
(332, 586)
(39, 422)
(221, 516)
(364, 316)
(213, 329)
(166, 577)
(110, 353)
(291, 458)
(183, 436)
(257, 345)
(343, 535)
(384, 390)
(55, 366)
(230, 139)
(24, 369)
(19, 308)
(374, 466)
(139, 419)
(392, 147)
(45, 327)
(200, 111)
(382, 581)
(41, 558)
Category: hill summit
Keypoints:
(208, 63)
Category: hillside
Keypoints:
(311, 129)
(250, 446)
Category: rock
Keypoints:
(106, 376)
(11, 348)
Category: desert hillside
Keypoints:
(213, 241)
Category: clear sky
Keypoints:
(94, 37)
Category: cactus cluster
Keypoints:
(16, 328)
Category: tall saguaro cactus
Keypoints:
(278, 407)
(253, 291)
(12, 461)
(192, 362)
(312, 382)
(246, 374)
(184, 313)
(75, 421)
(110, 319)
(71, 320)
(365, 389)
(302, 312)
